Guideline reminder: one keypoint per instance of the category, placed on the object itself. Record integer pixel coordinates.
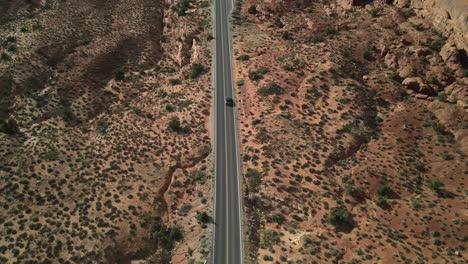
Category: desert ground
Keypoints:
(352, 118)
(105, 145)
(354, 133)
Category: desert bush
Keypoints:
(119, 74)
(8, 126)
(253, 178)
(181, 7)
(352, 190)
(199, 176)
(286, 35)
(258, 74)
(269, 238)
(375, 12)
(384, 190)
(175, 81)
(447, 156)
(255, 76)
(102, 126)
(339, 216)
(435, 185)
(243, 57)
(418, 27)
(174, 124)
(317, 38)
(252, 10)
(203, 218)
(271, 88)
(278, 217)
(368, 56)
(381, 201)
(196, 70)
(166, 235)
(185, 209)
(329, 31)
(5, 56)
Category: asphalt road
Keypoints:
(227, 234)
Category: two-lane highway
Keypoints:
(227, 234)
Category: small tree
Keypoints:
(196, 70)
(384, 190)
(102, 126)
(382, 202)
(8, 126)
(270, 88)
(174, 124)
(203, 218)
(435, 185)
(252, 10)
(352, 190)
(339, 216)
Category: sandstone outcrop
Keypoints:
(448, 16)
(350, 3)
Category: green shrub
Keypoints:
(447, 156)
(5, 56)
(286, 35)
(352, 190)
(181, 7)
(384, 190)
(375, 12)
(203, 218)
(252, 10)
(255, 76)
(339, 216)
(368, 56)
(253, 178)
(263, 70)
(166, 235)
(270, 88)
(174, 124)
(279, 218)
(435, 185)
(418, 27)
(330, 31)
(175, 81)
(196, 70)
(317, 38)
(8, 126)
(102, 126)
(11, 39)
(269, 238)
(119, 74)
(382, 202)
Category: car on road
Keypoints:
(229, 101)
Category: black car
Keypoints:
(229, 101)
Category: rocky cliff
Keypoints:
(448, 16)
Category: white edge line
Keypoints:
(214, 93)
(239, 174)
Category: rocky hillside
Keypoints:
(103, 137)
(354, 126)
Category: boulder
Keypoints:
(402, 3)
(417, 84)
(457, 92)
(407, 71)
(451, 55)
(391, 60)
(351, 3)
